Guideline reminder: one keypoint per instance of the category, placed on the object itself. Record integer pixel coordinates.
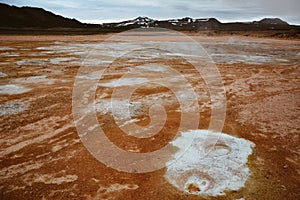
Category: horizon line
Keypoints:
(103, 21)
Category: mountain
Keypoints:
(12, 16)
(190, 24)
(140, 22)
(186, 23)
(176, 24)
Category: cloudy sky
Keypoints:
(116, 10)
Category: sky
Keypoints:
(100, 11)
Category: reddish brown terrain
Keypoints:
(43, 157)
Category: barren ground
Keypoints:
(42, 156)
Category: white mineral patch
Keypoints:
(58, 60)
(237, 58)
(209, 166)
(2, 75)
(31, 79)
(124, 82)
(10, 54)
(49, 179)
(13, 89)
(12, 108)
(92, 76)
(231, 40)
(107, 192)
(118, 187)
(37, 79)
(5, 48)
(31, 62)
(155, 68)
(105, 106)
(91, 62)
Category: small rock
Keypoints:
(283, 187)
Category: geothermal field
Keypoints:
(149, 115)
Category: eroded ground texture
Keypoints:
(43, 157)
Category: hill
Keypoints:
(12, 16)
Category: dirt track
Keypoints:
(42, 156)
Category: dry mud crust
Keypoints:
(41, 155)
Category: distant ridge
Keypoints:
(190, 24)
(273, 21)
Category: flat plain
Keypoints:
(43, 157)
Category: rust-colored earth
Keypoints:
(42, 156)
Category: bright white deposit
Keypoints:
(13, 89)
(213, 163)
